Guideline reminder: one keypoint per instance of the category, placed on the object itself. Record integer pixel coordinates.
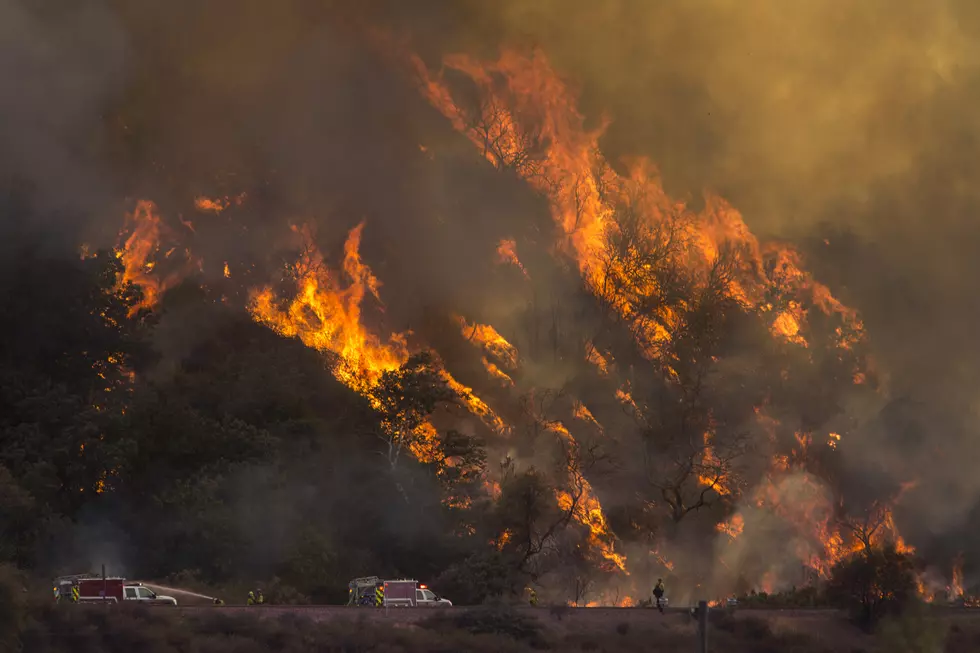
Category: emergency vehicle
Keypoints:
(402, 593)
(89, 588)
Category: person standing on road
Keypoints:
(658, 593)
(251, 598)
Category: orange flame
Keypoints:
(527, 121)
(491, 342)
(956, 583)
(507, 253)
(593, 356)
(326, 313)
(217, 205)
(138, 254)
(588, 511)
(583, 413)
(733, 526)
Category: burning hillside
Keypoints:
(668, 280)
(603, 380)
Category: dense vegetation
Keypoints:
(239, 458)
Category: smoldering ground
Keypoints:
(853, 124)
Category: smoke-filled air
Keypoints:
(571, 295)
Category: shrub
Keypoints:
(873, 584)
(498, 620)
(482, 577)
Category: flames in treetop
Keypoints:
(622, 232)
(628, 237)
(526, 120)
(325, 312)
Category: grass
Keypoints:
(48, 628)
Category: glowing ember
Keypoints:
(502, 541)
(593, 356)
(581, 412)
(217, 205)
(733, 527)
(507, 253)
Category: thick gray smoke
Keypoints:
(849, 128)
(61, 63)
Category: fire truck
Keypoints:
(401, 593)
(99, 589)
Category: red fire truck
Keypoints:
(89, 589)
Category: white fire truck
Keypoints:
(401, 593)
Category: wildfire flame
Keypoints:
(326, 313)
(492, 343)
(507, 253)
(588, 511)
(138, 253)
(527, 122)
(217, 205)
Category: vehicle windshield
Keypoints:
(145, 593)
(429, 595)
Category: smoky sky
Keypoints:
(848, 128)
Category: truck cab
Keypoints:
(143, 594)
(426, 598)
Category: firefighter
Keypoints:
(251, 598)
(260, 599)
(658, 593)
(57, 594)
(532, 597)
